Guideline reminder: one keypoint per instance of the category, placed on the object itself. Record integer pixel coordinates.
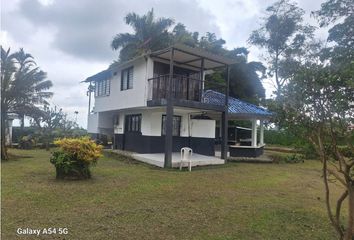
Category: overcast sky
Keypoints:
(70, 39)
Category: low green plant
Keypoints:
(281, 137)
(287, 158)
(74, 157)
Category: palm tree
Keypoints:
(23, 59)
(23, 89)
(150, 34)
(180, 34)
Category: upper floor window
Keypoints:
(103, 87)
(126, 81)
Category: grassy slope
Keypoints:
(125, 200)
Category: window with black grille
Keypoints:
(133, 123)
(103, 87)
(126, 81)
(176, 127)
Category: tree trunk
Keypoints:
(349, 234)
(276, 73)
(22, 122)
(334, 223)
(4, 155)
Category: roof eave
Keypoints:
(250, 116)
(198, 52)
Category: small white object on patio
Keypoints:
(157, 159)
(186, 155)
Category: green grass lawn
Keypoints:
(129, 200)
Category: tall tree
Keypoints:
(339, 58)
(281, 32)
(23, 88)
(180, 34)
(52, 123)
(245, 77)
(212, 44)
(317, 105)
(339, 16)
(23, 59)
(150, 34)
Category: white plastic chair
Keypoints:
(186, 154)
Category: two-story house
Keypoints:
(161, 102)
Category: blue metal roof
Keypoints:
(103, 75)
(236, 106)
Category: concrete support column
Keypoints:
(224, 146)
(225, 118)
(201, 79)
(254, 133)
(169, 117)
(261, 132)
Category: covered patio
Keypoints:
(240, 110)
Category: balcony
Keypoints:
(186, 91)
(183, 87)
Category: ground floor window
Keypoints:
(133, 123)
(176, 127)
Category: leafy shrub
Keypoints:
(18, 133)
(74, 157)
(308, 150)
(288, 139)
(280, 137)
(287, 158)
(346, 151)
(43, 137)
(27, 142)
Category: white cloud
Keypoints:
(66, 72)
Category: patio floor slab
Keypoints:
(157, 159)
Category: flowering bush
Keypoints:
(74, 157)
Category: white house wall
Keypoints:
(151, 123)
(155, 123)
(92, 123)
(119, 128)
(105, 120)
(101, 122)
(203, 128)
(129, 98)
(107, 107)
(184, 124)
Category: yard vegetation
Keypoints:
(313, 106)
(129, 200)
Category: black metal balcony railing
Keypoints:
(183, 87)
